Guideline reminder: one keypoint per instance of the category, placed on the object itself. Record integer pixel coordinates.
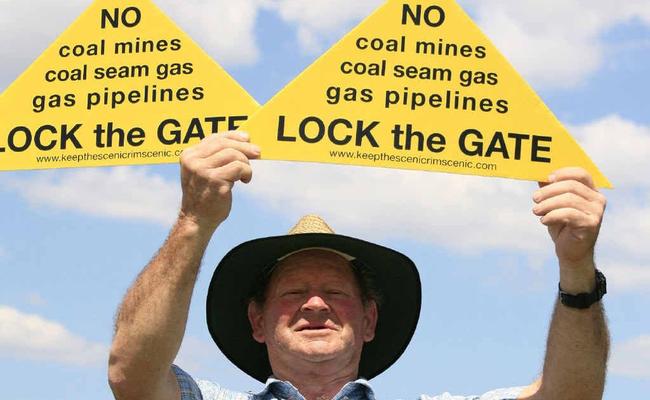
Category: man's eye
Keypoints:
(293, 292)
(336, 292)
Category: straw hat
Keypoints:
(394, 275)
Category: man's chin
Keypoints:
(319, 351)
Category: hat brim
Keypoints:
(394, 275)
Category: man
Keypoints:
(312, 311)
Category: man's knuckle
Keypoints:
(196, 165)
(186, 156)
(242, 165)
(224, 189)
(574, 186)
(243, 158)
(581, 171)
(230, 153)
(219, 145)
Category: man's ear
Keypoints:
(370, 320)
(256, 319)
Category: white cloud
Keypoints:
(464, 213)
(555, 43)
(27, 28)
(225, 29)
(30, 337)
(621, 147)
(320, 21)
(120, 192)
(622, 277)
(627, 229)
(632, 358)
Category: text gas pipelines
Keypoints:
(116, 98)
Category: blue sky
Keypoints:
(71, 242)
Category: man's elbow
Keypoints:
(129, 381)
(118, 380)
(124, 381)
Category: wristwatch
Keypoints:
(585, 300)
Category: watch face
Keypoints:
(601, 284)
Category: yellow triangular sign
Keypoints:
(417, 85)
(122, 85)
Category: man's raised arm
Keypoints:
(150, 323)
(578, 341)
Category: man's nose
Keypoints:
(315, 303)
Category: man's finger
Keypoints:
(572, 173)
(570, 217)
(565, 200)
(224, 157)
(576, 187)
(236, 135)
(211, 141)
(217, 143)
(233, 172)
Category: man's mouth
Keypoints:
(314, 327)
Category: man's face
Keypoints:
(313, 311)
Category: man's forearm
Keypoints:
(151, 321)
(577, 349)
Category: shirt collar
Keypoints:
(284, 390)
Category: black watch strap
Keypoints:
(585, 300)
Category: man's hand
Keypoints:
(572, 209)
(208, 172)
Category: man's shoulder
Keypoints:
(212, 391)
(498, 394)
(204, 390)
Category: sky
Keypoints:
(72, 241)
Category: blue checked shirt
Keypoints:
(279, 390)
